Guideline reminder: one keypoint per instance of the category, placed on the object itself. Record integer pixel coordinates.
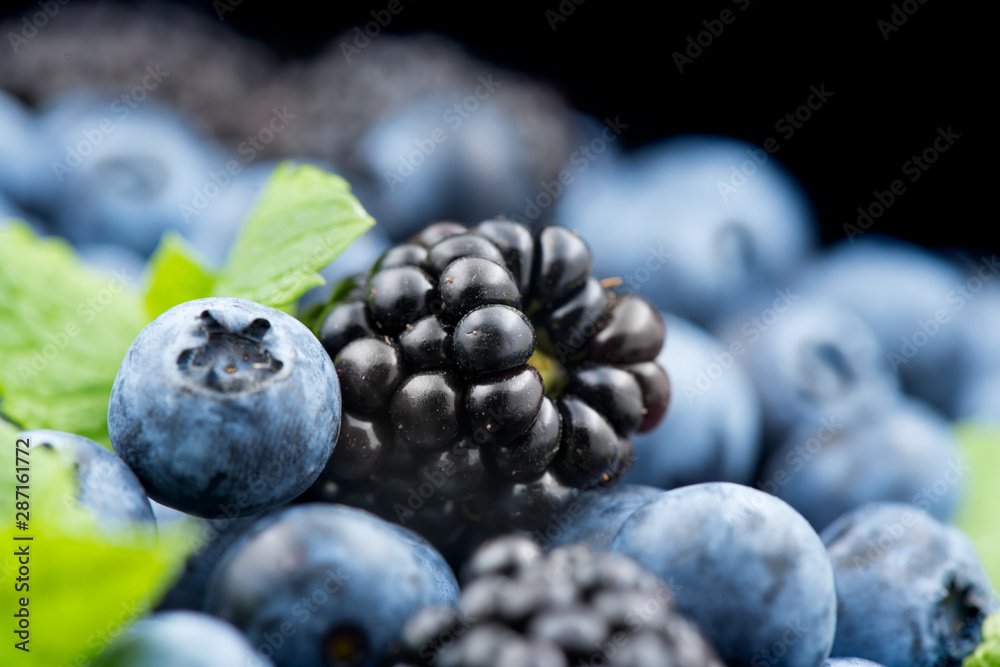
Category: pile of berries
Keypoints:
(486, 374)
(570, 606)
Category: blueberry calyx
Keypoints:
(230, 362)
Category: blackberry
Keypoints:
(487, 378)
(572, 606)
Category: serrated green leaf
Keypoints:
(83, 586)
(304, 218)
(64, 330)
(175, 274)
(978, 515)
(987, 654)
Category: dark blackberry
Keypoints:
(502, 377)
(571, 606)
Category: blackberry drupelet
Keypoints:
(487, 377)
(572, 606)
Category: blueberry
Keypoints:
(712, 432)
(816, 362)
(910, 590)
(185, 638)
(217, 399)
(213, 537)
(900, 290)
(850, 662)
(18, 147)
(107, 488)
(907, 454)
(363, 576)
(470, 167)
(135, 182)
(744, 566)
(660, 222)
(596, 516)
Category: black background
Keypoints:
(610, 58)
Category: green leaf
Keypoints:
(175, 274)
(987, 654)
(64, 331)
(977, 516)
(304, 218)
(83, 586)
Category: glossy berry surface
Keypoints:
(487, 378)
(571, 606)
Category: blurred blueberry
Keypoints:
(744, 566)
(850, 662)
(911, 591)
(910, 297)
(121, 175)
(667, 224)
(213, 538)
(182, 638)
(341, 581)
(712, 429)
(107, 488)
(595, 517)
(429, 161)
(812, 363)
(18, 137)
(115, 260)
(978, 394)
(908, 453)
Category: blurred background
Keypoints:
(893, 85)
(730, 161)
